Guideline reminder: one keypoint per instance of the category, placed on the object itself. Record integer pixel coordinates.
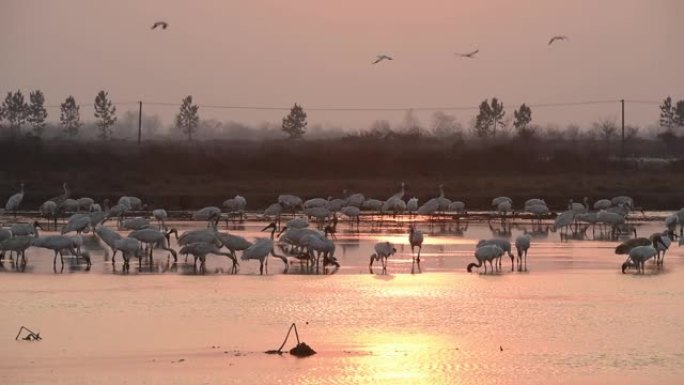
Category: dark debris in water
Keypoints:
(302, 350)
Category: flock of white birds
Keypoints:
(308, 245)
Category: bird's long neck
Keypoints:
(441, 191)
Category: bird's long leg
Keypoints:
(420, 247)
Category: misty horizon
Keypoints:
(270, 55)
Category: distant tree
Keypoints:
(679, 113)
(667, 114)
(412, 124)
(489, 118)
(15, 111)
(105, 113)
(70, 117)
(631, 132)
(37, 113)
(187, 119)
(444, 125)
(523, 117)
(606, 129)
(573, 132)
(295, 123)
(378, 129)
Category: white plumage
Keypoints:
(484, 254)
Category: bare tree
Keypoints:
(444, 126)
(606, 129)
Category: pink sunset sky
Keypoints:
(318, 53)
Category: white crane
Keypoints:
(534, 202)
(498, 200)
(57, 243)
(522, 244)
(503, 244)
(14, 201)
(136, 223)
(200, 251)
(109, 237)
(85, 204)
(412, 205)
(638, 257)
(48, 210)
(18, 245)
(457, 207)
(356, 200)
(155, 238)
(315, 202)
(602, 204)
(290, 202)
(79, 223)
(661, 242)
(129, 247)
(19, 229)
(199, 236)
(443, 202)
(579, 207)
(484, 254)
(233, 242)
(211, 214)
(383, 250)
(261, 249)
(69, 205)
(400, 194)
(353, 213)
(161, 216)
(563, 220)
(415, 240)
(235, 205)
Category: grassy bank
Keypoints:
(181, 176)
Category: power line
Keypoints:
(378, 109)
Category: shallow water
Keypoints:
(571, 318)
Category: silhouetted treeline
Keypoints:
(178, 175)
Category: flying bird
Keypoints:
(381, 58)
(470, 55)
(162, 24)
(560, 37)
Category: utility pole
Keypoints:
(622, 150)
(140, 125)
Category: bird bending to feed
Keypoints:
(484, 254)
(380, 58)
(383, 250)
(470, 55)
(161, 24)
(559, 37)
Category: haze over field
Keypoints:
(274, 53)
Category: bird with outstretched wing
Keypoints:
(380, 58)
(560, 37)
(161, 24)
(470, 55)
